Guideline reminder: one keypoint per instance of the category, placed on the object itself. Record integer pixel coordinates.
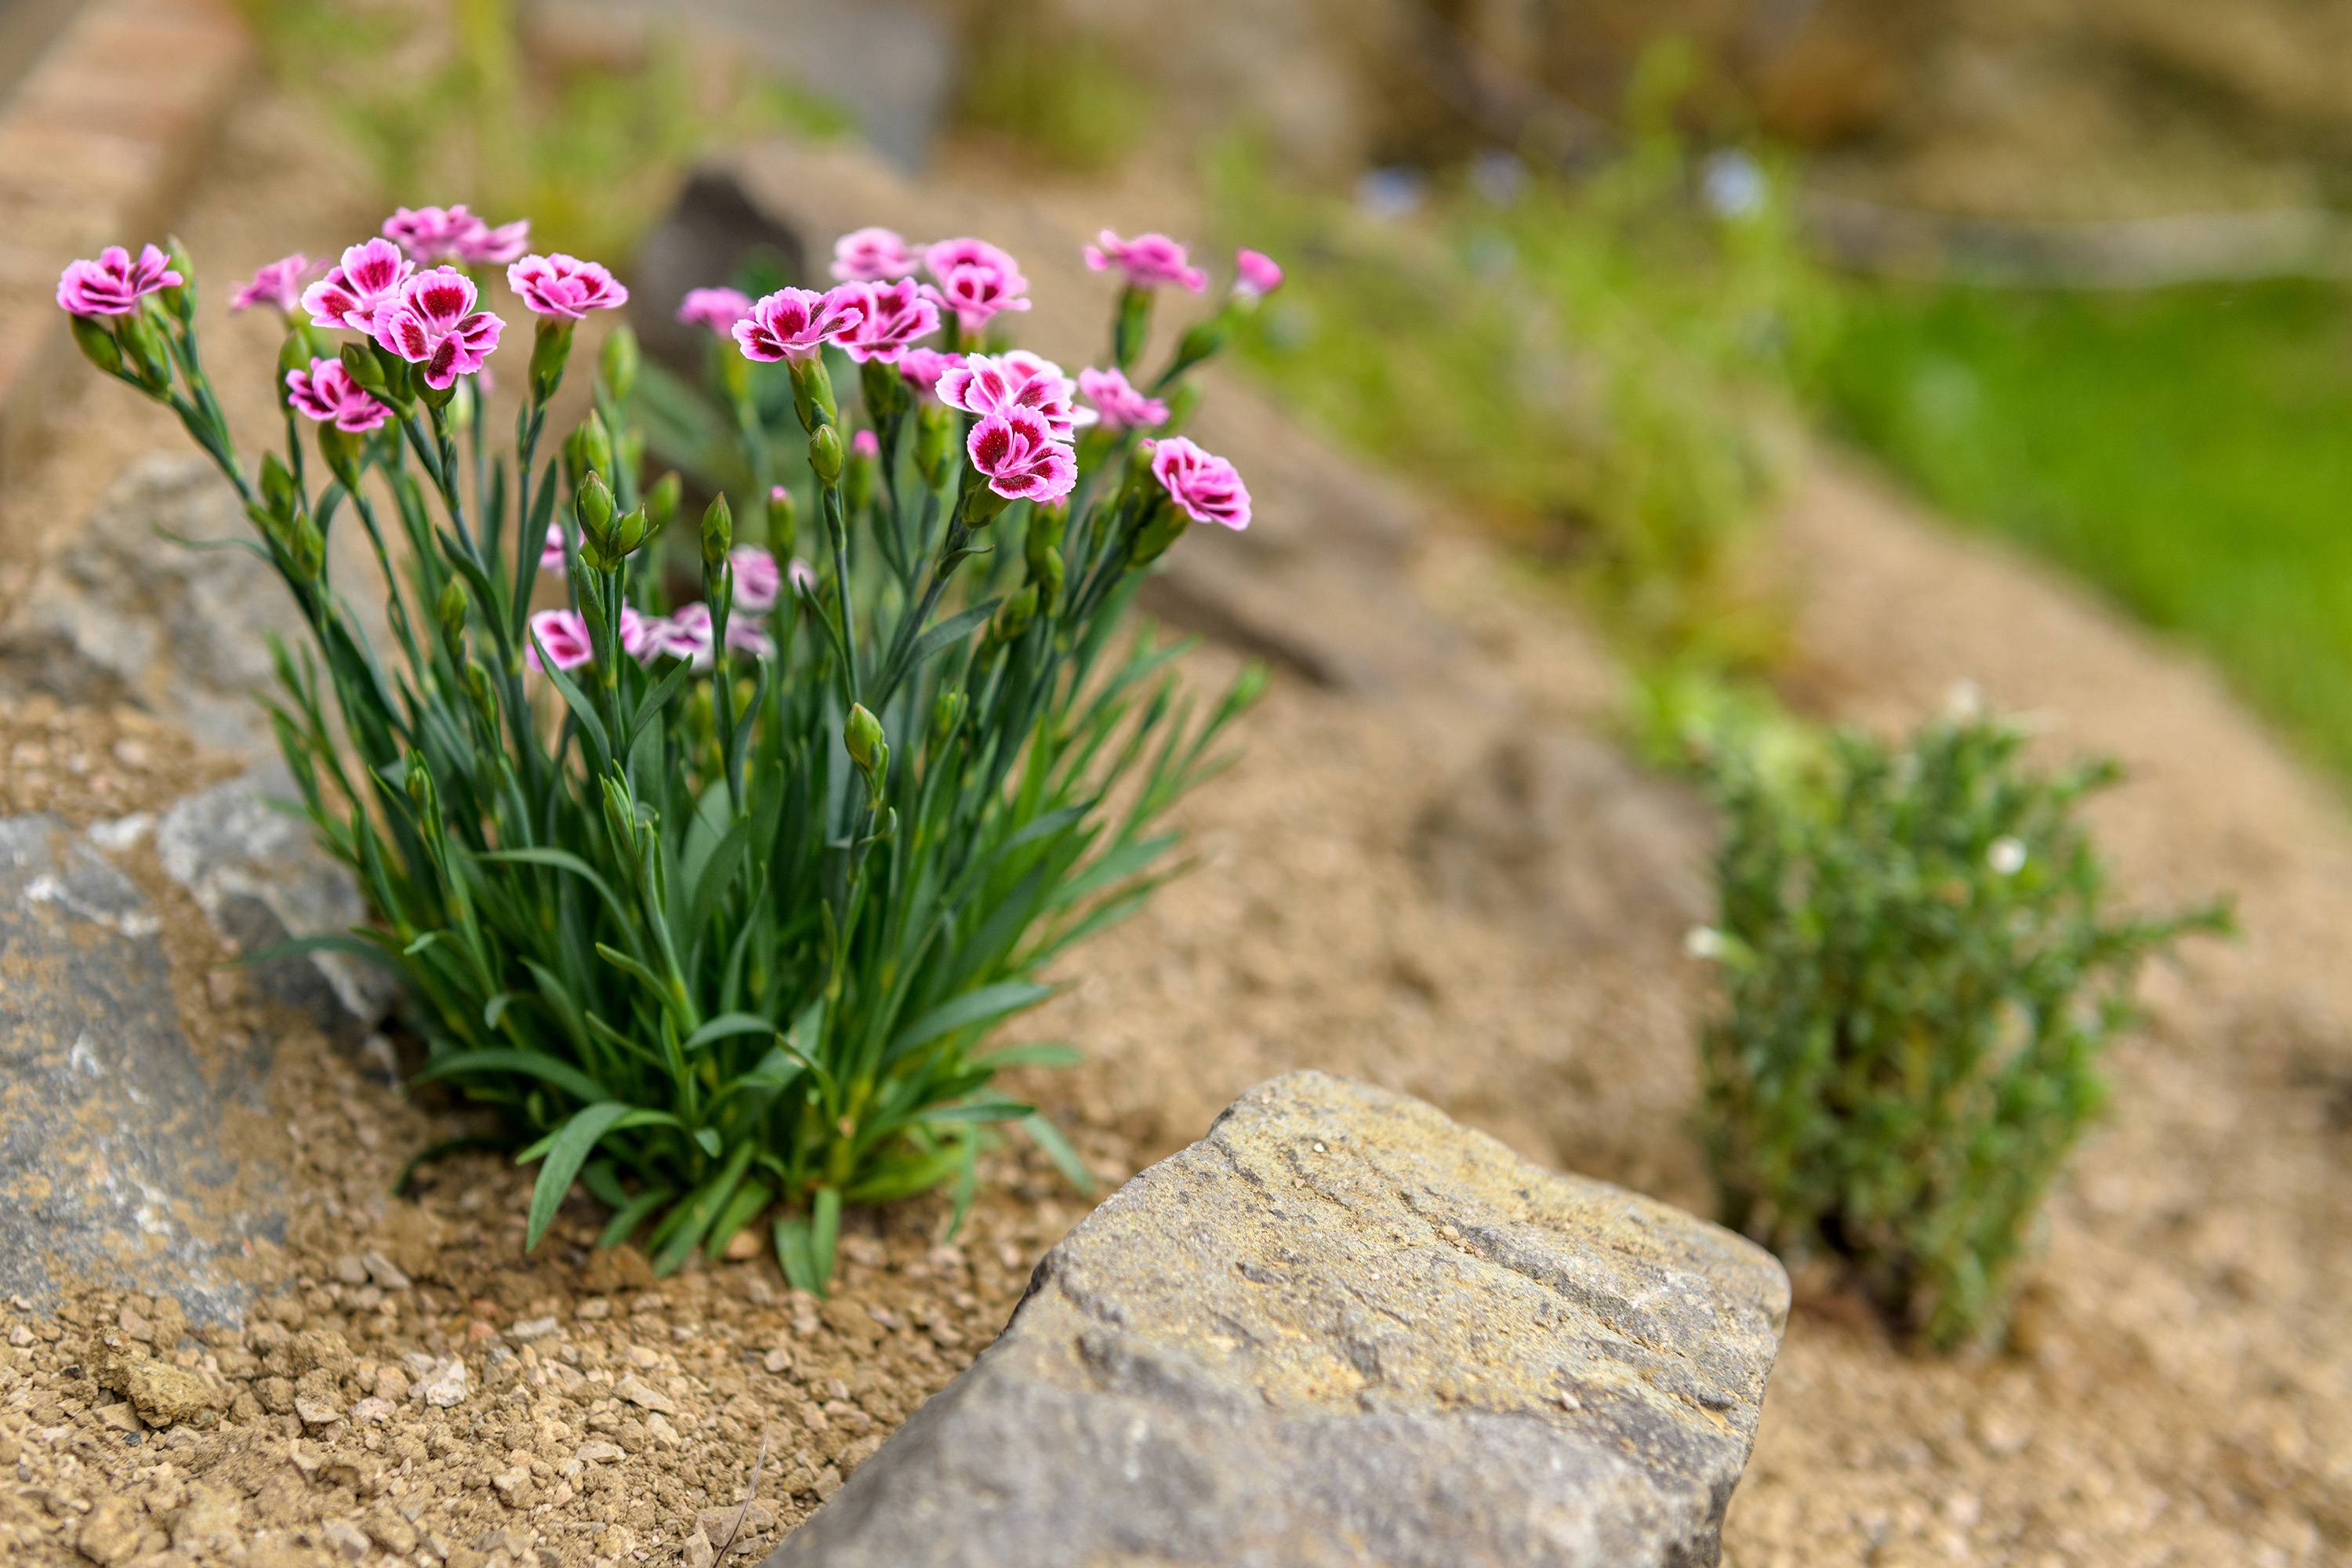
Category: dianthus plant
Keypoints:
(1922, 972)
(713, 877)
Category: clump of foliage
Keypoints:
(713, 881)
(1921, 972)
(1601, 364)
(443, 96)
(1051, 87)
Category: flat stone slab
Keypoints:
(1342, 1330)
(110, 1166)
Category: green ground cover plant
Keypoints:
(713, 883)
(2185, 450)
(1921, 970)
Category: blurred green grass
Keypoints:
(2186, 450)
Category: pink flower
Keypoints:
(565, 286)
(717, 309)
(111, 285)
(495, 247)
(639, 632)
(564, 636)
(800, 575)
(278, 284)
(552, 556)
(368, 279)
(453, 233)
(1123, 407)
(327, 393)
(923, 367)
(1255, 274)
(434, 324)
(986, 384)
(866, 445)
(872, 255)
(745, 634)
(1206, 487)
(794, 323)
(1149, 260)
(975, 280)
(1017, 451)
(685, 633)
(896, 314)
(757, 580)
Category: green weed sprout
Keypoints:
(715, 898)
(1921, 973)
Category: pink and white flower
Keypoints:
(1207, 488)
(367, 280)
(896, 314)
(112, 285)
(992, 383)
(434, 324)
(873, 256)
(278, 284)
(564, 286)
(1149, 260)
(795, 323)
(453, 233)
(865, 445)
(564, 636)
(923, 367)
(800, 575)
(640, 632)
(1123, 407)
(1022, 461)
(745, 634)
(975, 280)
(327, 393)
(717, 309)
(554, 554)
(757, 581)
(495, 247)
(1255, 274)
(685, 633)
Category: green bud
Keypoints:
(593, 501)
(628, 533)
(1202, 341)
(947, 712)
(1132, 326)
(859, 479)
(1046, 526)
(1046, 573)
(293, 354)
(1013, 616)
(361, 363)
(485, 695)
(306, 548)
(718, 533)
(629, 452)
(97, 344)
(824, 455)
(618, 363)
(550, 350)
(419, 784)
(1162, 525)
(453, 614)
(180, 298)
(661, 502)
(434, 396)
(884, 389)
(861, 734)
(784, 531)
(280, 493)
(589, 449)
(143, 345)
(935, 442)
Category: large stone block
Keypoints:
(1342, 1330)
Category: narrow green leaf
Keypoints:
(726, 1025)
(1048, 1137)
(740, 1211)
(710, 1142)
(564, 1157)
(634, 1213)
(972, 1007)
(1041, 1054)
(985, 1110)
(535, 1064)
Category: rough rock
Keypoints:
(111, 1530)
(261, 877)
(1558, 832)
(169, 1395)
(1338, 1329)
(110, 1168)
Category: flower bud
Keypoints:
(947, 712)
(824, 455)
(1013, 617)
(180, 298)
(589, 449)
(1132, 326)
(618, 363)
(783, 530)
(293, 354)
(864, 470)
(453, 615)
(1046, 526)
(935, 442)
(361, 365)
(661, 502)
(485, 695)
(884, 389)
(550, 350)
(143, 346)
(342, 450)
(97, 344)
(718, 533)
(280, 493)
(418, 782)
(593, 501)
(305, 548)
(861, 736)
(629, 531)
(813, 393)
(1046, 573)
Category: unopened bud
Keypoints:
(661, 502)
(342, 450)
(293, 354)
(307, 548)
(618, 363)
(550, 350)
(718, 533)
(180, 298)
(813, 397)
(589, 449)
(1046, 573)
(1013, 616)
(865, 468)
(935, 441)
(453, 614)
(97, 344)
(947, 712)
(783, 530)
(861, 735)
(419, 781)
(360, 365)
(143, 346)
(629, 531)
(824, 455)
(594, 504)
(279, 490)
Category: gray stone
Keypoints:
(1339, 1329)
(261, 877)
(1556, 833)
(110, 1167)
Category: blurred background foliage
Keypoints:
(1567, 265)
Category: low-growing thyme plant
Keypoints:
(1922, 972)
(713, 888)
